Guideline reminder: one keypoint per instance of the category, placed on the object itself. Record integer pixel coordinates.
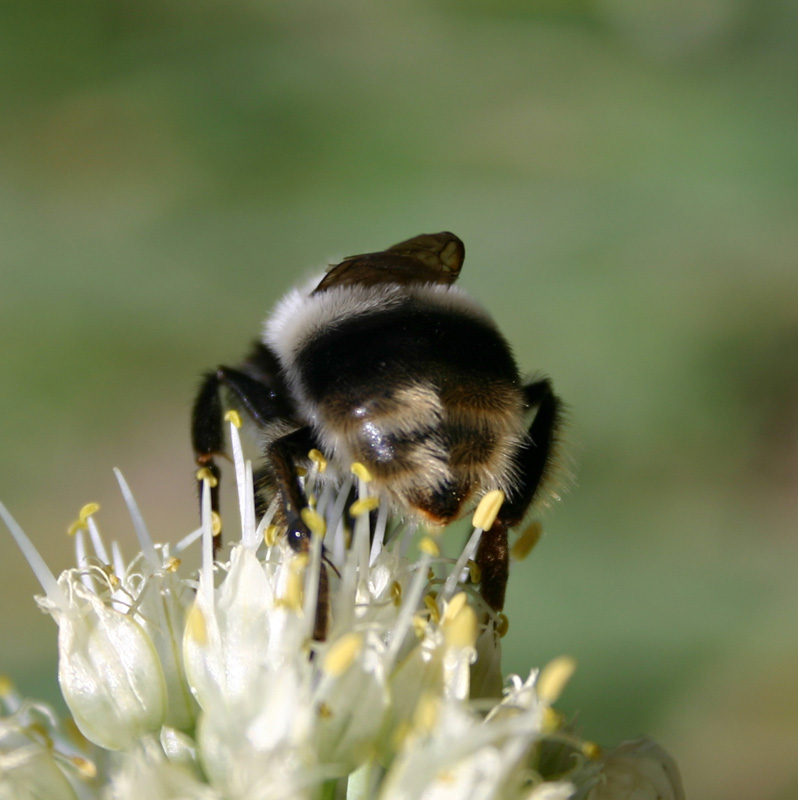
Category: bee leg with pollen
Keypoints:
(533, 460)
(207, 422)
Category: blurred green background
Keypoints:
(625, 177)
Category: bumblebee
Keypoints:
(383, 361)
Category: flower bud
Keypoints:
(28, 770)
(109, 672)
(639, 770)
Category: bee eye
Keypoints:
(298, 538)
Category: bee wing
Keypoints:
(427, 258)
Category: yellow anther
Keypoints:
(6, 686)
(474, 571)
(363, 506)
(83, 517)
(325, 712)
(216, 523)
(299, 563)
(87, 511)
(455, 606)
(172, 564)
(524, 544)
(552, 720)
(204, 474)
(342, 654)
(502, 625)
(314, 521)
(487, 509)
(462, 629)
(233, 416)
(196, 629)
(270, 535)
(419, 626)
(38, 731)
(86, 768)
(426, 714)
(429, 546)
(292, 597)
(317, 457)
(553, 678)
(361, 471)
(396, 593)
(301, 472)
(431, 603)
(591, 750)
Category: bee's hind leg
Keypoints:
(533, 462)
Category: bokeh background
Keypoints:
(625, 177)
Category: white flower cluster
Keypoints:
(214, 686)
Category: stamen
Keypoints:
(429, 547)
(187, 540)
(502, 625)
(430, 601)
(270, 535)
(379, 533)
(407, 611)
(196, 627)
(364, 505)
(396, 593)
(87, 769)
(455, 606)
(88, 510)
(461, 629)
(426, 713)
(314, 521)
(469, 551)
(54, 592)
(488, 509)
(311, 591)
(232, 416)
(206, 570)
(554, 677)
(240, 467)
(250, 536)
(552, 720)
(292, 596)
(342, 654)
(525, 543)
(204, 474)
(143, 535)
(474, 571)
(96, 540)
(591, 750)
(362, 472)
(262, 531)
(317, 457)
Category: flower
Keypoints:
(215, 685)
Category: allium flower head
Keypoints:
(213, 684)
